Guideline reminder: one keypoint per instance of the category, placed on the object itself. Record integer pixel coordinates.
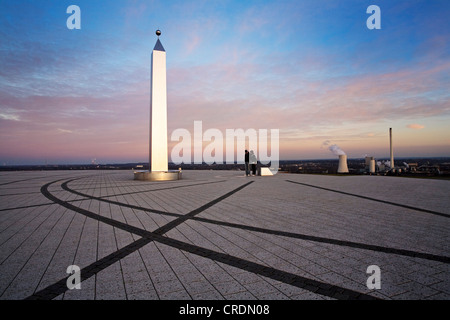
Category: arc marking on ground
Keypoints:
(147, 236)
(358, 245)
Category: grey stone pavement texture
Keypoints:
(220, 235)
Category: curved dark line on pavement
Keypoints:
(373, 199)
(35, 178)
(167, 188)
(90, 214)
(65, 187)
(389, 250)
(315, 286)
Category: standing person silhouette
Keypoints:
(252, 158)
(247, 171)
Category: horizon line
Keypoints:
(204, 163)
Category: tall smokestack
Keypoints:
(391, 148)
(342, 168)
(372, 166)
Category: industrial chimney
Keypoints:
(342, 164)
(391, 148)
(372, 166)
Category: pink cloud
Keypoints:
(415, 126)
(76, 126)
(245, 94)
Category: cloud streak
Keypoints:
(415, 126)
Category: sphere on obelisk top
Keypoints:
(158, 32)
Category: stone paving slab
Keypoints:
(220, 235)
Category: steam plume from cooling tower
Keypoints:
(336, 150)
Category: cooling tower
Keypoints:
(342, 164)
(368, 160)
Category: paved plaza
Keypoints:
(221, 235)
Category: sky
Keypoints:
(310, 68)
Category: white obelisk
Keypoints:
(158, 159)
(158, 109)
